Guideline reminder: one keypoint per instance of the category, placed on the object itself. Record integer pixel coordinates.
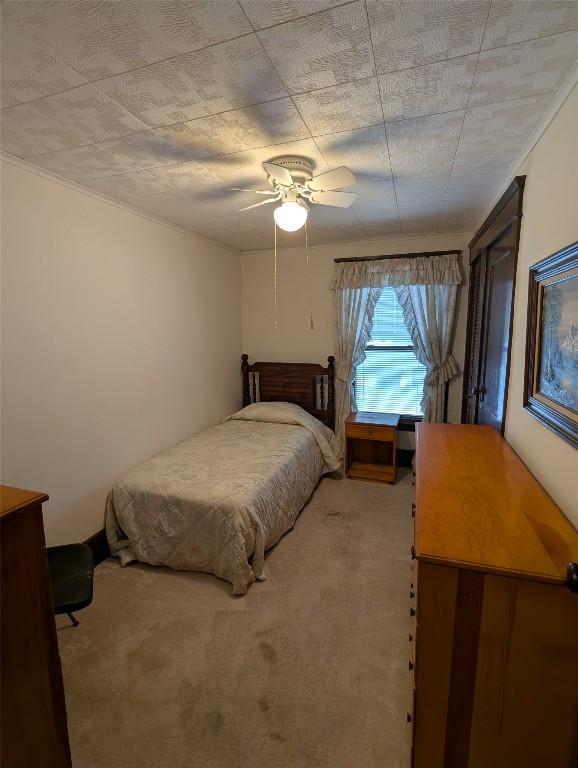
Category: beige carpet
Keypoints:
(308, 670)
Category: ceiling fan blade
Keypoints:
(279, 174)
(256, 205)
(255, 191)
(339, 199)
(335, 179)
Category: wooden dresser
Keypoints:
(495, 639)
(33, 720)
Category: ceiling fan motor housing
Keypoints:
(300, 168)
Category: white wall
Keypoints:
(293, 341)
(121, 336)
(550, 222)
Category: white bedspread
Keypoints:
(218, 500)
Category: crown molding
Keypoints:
(462, 234)
(26, 166)
(560, 97)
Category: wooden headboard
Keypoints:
(306, 384)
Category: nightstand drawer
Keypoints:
(369, 432)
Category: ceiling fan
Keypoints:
(293, 183)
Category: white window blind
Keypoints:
(390, 379)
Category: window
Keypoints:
(390, 379)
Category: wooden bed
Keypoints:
(309, 385)
(218, 500)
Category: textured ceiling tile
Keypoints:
(42, 77)
(475, 184)
(129, 188)
(383, 229)
(327, 216)
(157, 94)
(322, 50)
(83, 163)
(268, 13)
(143, 150)
(100, 39)
(363, 151)
(417, 198)
(475, 156)
(30, 69)
(344, 234)
(513, 21)
(274, 122)
(25, 131)
(191, 212)
(474, 192)
(524, 69)
(243, 241)
(411, 225)
(227, 76)
(63, 121)
(462, 219)
(422, 165)
(408, 33)
(424, 133)
(182, 178)
(376, 204)
(341, 107)
(204, 137)
(245, 172)
(440, 87)
(510, 119)
(466, 203)
(477, 188)
(326, 225)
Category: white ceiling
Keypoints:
(165, 105)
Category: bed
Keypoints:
(218, 500)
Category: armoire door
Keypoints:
(496, 337)
(475, 317)
(493, 258)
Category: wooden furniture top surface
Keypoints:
(373, 419)
(12, 499)
(480, 507)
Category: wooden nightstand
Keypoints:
(371, 442)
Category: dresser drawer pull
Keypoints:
(413, 510)
(412, 552)
(411, 638)
(412, 595)
(408, 718)
(572, 577)
(410, 666)
(412, 611)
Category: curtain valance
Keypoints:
(419, 270)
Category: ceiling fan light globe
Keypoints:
(290, 216)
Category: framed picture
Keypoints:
(551, 376)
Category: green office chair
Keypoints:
(71, 569)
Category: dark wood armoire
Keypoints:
(493, 261)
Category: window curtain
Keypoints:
(428, 306)
(428, 311)
(355, 307)
(418, 270)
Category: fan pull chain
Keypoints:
(308, 278)
(276, 319)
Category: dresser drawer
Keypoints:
(370, 432)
